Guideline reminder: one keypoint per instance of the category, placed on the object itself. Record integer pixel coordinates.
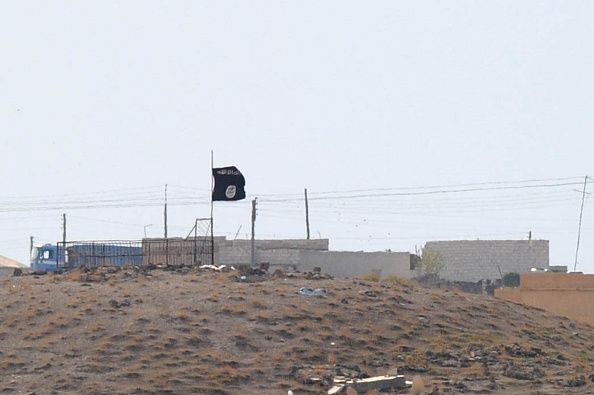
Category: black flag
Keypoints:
(229, 184)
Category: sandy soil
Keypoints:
(159, 332)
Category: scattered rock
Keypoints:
(317, 276)
(319, 292)
(378, 382)
(520, 373)
(413, 368)
(515, 350)
(576, 382)
(264, 266)
(116, 305)
(459, 384)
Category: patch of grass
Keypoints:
(233, 309)
(398, 281)
(258, 304)
(370, 277)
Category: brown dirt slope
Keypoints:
(206, 333)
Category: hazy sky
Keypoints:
(102, 96)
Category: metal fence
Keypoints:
(168, 252)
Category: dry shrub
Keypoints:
(418, 386)
(474, 370)
(134, 344)
(258, 304)
(263, 316)
(104, 346)
(331, 359)
(370, 277)
(345, 333)
(397, 280)
(440, 344)
(416, 358)
(182, 316)
(74, 275)
(233, 309)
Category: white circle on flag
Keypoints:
(231, 191)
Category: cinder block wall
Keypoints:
(474, 260)
(352, 264)
(275, 252)
(304, 255)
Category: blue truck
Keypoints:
(51, 257)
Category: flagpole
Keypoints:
(212, 246)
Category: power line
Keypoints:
(421, 193)
(426, 186)
(138, 189)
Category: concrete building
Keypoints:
(474, 260)
(567, 294)
(8, 265)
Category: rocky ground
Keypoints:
(158, 332)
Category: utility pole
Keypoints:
(195, 240)
(64, 230)
(63, 242)
(165, 229)
(306, 214)
(577, 248)
(165, 213)
(254, 204)
(30, 245)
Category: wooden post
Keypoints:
(63, 242)
(165, 229)
(165, 214)
(195, 240)
(253, 262)
(306, 214)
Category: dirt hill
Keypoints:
(135, 332)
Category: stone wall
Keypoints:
(474, 260)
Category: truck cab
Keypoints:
(44, 258)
